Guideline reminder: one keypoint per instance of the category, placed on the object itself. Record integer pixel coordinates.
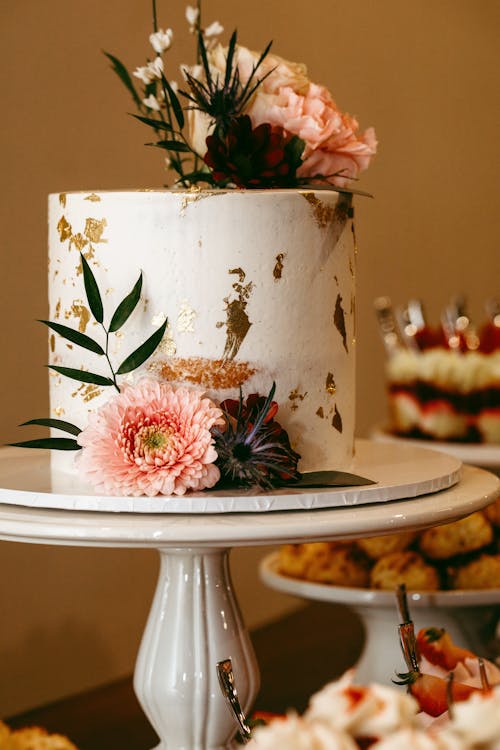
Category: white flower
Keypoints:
(156, 67)
(192, 16)
(150, 71)
(152, 103)
(144, 74)
(161, 40)
(214, 29)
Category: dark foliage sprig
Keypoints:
(134, 360)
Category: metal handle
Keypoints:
(226, 681)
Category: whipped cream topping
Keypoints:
(372, 711)
(294, 733)
(450, 370)
(342, 713)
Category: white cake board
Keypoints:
(400, 471)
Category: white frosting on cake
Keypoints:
(450, 370)
(257, 286)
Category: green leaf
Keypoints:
(126, 307)
(174, 101)
(92, 291)
(140, 355)
(171, 145)
(82, 375)
(229, 58)
(157, 124)
(57, 424)
(312, 479)
(81, 339)
(122, 73)
(58, 444)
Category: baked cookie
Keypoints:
(452, 539)
(378, 546)
(345, 565)
(481, 573)
(406, 567)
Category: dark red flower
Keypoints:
(260, 157)
(253, 449)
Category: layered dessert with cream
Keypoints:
(444, 384)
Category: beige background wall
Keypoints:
(424, 73)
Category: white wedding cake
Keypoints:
(257, 286)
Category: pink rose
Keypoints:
(332, 142)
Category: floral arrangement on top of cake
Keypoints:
(443, 382)
(244, 119)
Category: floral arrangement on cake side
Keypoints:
(241, 120)
(244, 119)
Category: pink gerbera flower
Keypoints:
(151, 439)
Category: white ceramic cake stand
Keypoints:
(195, 620)
(470, 617)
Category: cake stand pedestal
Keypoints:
(195, 620)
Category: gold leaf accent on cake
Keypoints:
(339, 320)
(237, 321)
(320, 413)
(79, 241)
(186, 318)
(80, 312)
(167, 345)
(323, 213)
(295, 396)
(62, 199)
(330, 385)
(337, 420)
(94, 229)
(87, 391)
(52, 342)
(64, 229)
(216, 374)
(353, 230)
(57, 312)
(93, 197)
(278, 268)
(58, 411)
(192, 196)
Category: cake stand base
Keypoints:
(194, 623)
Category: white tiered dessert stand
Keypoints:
(195, 620)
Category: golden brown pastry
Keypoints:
(481, 573)
(32, 738)
(377, 546)
(404, 567)
(295, 559)
(345, 565)
(492, 512)
(468, 534)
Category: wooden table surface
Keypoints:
(297, 655)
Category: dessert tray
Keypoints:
(270, 574)
(486, 455)
(470, 616)
(398, 471)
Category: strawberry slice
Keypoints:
(433, 694)
(438, 648)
